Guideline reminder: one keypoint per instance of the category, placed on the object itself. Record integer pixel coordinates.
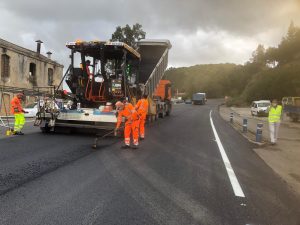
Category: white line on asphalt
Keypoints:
(232, 177)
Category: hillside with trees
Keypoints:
(270, 73)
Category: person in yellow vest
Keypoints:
(142, 109)
(18, 111)
(275, 113)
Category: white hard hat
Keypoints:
(119, 104)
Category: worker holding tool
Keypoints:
(142, 109)
(18, 111)
(127, 111)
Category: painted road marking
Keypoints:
(232, 177)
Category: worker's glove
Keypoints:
(16, 110)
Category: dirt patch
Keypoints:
(295, 176)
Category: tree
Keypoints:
(292, 32)
(129, 35)
(272, 56)
(258, 56)
(289, 48)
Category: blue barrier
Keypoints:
(231, 117)
(245, 125)
(259, 132)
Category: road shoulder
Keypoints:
(284, 157)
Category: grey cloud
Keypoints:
(239, 16)
(56, 22)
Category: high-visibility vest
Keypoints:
(275, 114)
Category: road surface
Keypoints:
(193, 168)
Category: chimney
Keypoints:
(38, 46)
(49, 55)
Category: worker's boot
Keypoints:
(20, 133)
(125, 147)
(142, 138)
(135, 147)
(15, 132)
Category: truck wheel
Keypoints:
(153, 118)
(168, 112)
(162, 115)
(45, 129)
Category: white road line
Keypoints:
(233, 179)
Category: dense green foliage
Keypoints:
(270, 73)
(129, 35)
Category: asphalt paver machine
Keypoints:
(100, 74)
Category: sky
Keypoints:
(201, 31)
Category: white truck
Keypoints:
(199, 98)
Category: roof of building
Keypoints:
(27, 52)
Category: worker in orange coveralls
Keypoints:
(127, 111)
(142, 109)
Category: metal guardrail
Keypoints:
(157, 74)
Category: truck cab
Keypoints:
(291, 106)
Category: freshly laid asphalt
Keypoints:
(177, 176)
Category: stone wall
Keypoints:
(20, 60)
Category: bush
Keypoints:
(237, 102)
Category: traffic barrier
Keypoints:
(245, 125)
(259, 132)
(231, 117)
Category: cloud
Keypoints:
(201, 31)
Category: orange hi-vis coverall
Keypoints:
(17, 110)
(142, 109)
(131, 123)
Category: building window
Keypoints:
(32, 74)
(50, 76)
(5, 67)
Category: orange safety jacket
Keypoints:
(129, 113)
(142, 106)
(15, 106)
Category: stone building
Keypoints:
(23, 68)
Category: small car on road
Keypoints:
(260, 108)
